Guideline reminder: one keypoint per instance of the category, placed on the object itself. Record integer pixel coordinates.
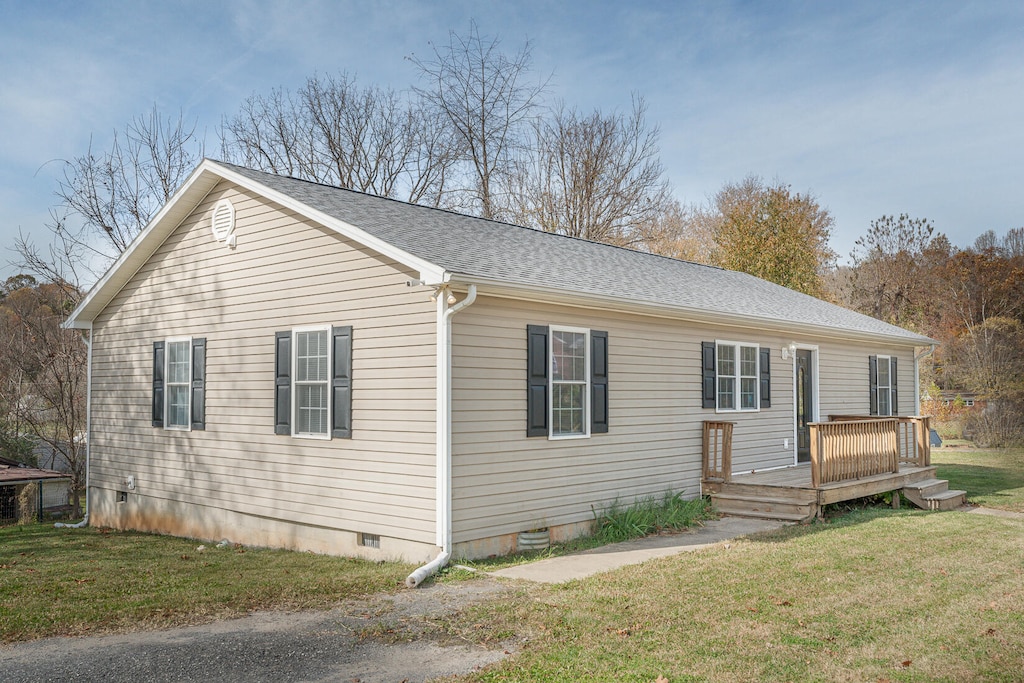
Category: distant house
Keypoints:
(49, 491)
(288, 364)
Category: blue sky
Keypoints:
(874, 107)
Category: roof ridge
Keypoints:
(452, 212)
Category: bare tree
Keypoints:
(43, 375)
(679, 231)
(116, 192)
(335, 132)
(107, 198)
(488, 103)
(888, 279)
(597, 176)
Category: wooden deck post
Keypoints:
(716, 450)
(923, 437)
(815, 455)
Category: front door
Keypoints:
(804, 403)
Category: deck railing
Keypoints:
(717, 450)
(913, 436)
(851, 449)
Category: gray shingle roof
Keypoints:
(475, 247)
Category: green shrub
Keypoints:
(650, 515)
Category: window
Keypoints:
(567, 382)
(179, 383)
(313, 382)
(882, 381)
(311, 396)
(735, 376)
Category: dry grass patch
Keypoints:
(877, 595)
(84, 581)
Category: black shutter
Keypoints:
(199, 383)
(536, 380)
(598, 382)
(709, 374)
(283, 383)
(341, 382)
(158, 384)
(766, 377)
(873, 384)
(892, 384)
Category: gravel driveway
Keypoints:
(270, 646)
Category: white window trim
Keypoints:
(551, 383)
(187, 427)
(888, 387)
(294, 381)
(757, 377)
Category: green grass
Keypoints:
(873, 595)
(82, 581)
(992, 477)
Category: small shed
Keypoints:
(47, 491)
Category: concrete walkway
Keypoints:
(993, 512)
(606, 558)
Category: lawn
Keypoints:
(992, 477)
(873, 595)
(83, 581)
(877, 595)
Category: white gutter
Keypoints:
(917, 377)
(443, 496)
(605, 302)
(88, 432)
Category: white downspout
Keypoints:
(443, 496)
(88, 434)
(917, 377)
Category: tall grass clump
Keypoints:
(651, 515)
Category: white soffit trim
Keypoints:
(192, 192)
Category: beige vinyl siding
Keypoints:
(505, 482)
(845, 379)
(286, 272)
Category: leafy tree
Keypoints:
(771, 232)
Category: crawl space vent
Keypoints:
(223, 222)
(369, 540)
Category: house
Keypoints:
(47, 491)
(288, 364)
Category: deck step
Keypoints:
(934, 494)
(929, 487)
(947, 500)
(781, 516)
(762, 506)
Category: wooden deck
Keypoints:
(851, 457)
(789, 494)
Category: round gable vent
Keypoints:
(223, 223)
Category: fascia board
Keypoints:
(504, 289)
(202, 180)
